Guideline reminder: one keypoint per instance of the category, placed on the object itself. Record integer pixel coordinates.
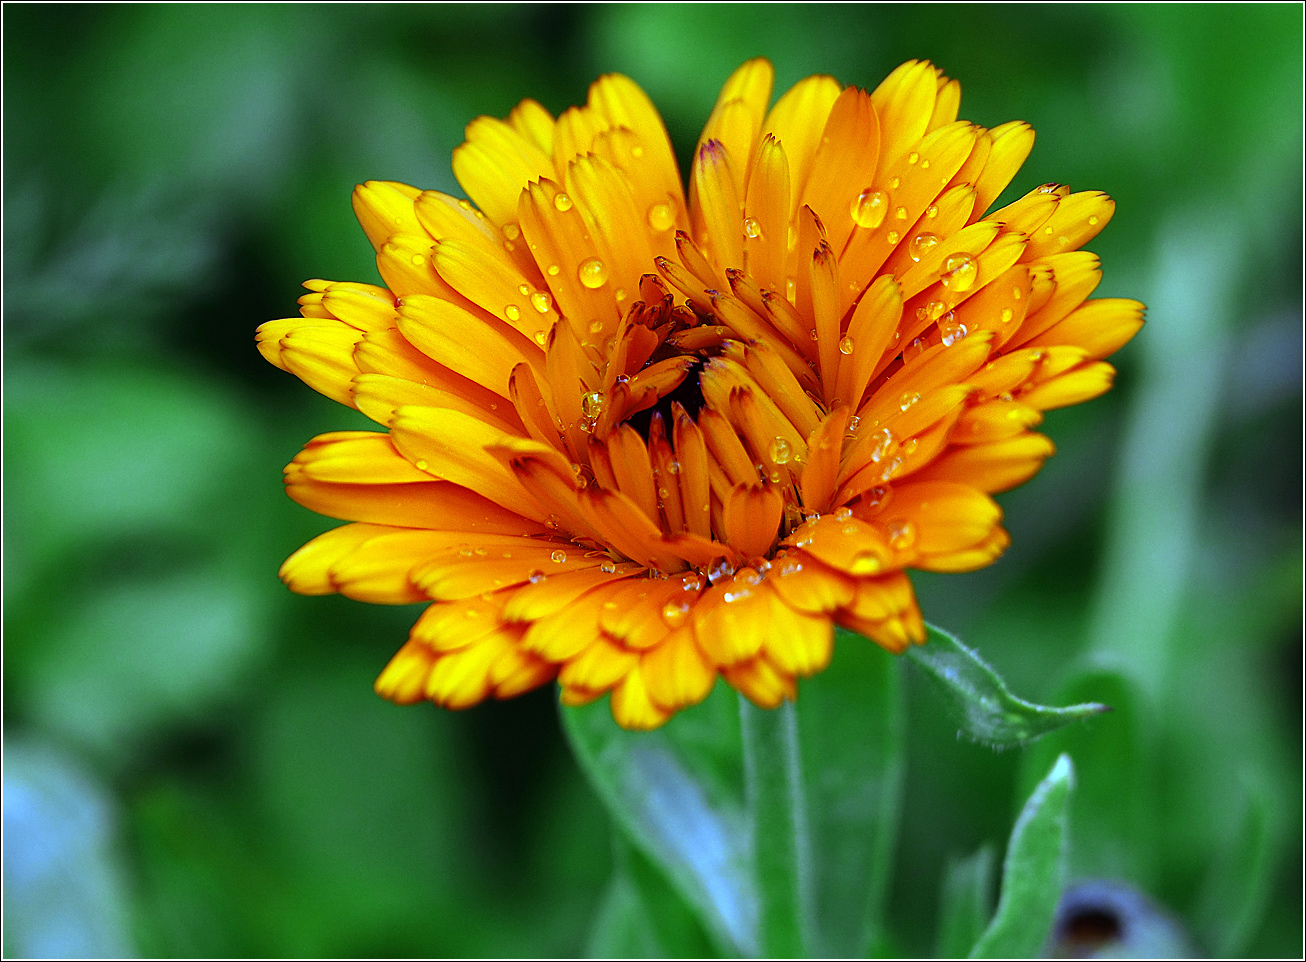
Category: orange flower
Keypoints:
(634, 442)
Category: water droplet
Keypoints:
(1015, 293)
(891, 470)
(900, 213)
(853, 423)
(591, 405)
(1048, 230)
(1007, 315)
(813, 333)
(540, 301)
(867, 562)
(780, 452)
(421, 464)
(523, 290)
(936, 309)
(593, 273)
(846, 345)
(1092, 220)
(868, 208)
(875, 497)
(674, 613)
(902, 534)
(843, 514)
(480, 552)
(730, 597)
(925, 165)
(608, 567)
(961, 271)
(691, 582)
(892, 237)
(1063, 240)
(511, 231)
(791, 290)
(921, 313)
(722, 569)
(893, 184)
(752, 229)
(913, 157)
(950, 331)
(562, 202)
(674, 467)
(908, 399)
(536, 576)
(909, 446)
(512, 312)
(913, 350)
(465, 552)
(661, 218)
(922, 244)
(553, 270)
(418, 260)
(932, 210)
(539, 337)
(559, 556)
(883, 443)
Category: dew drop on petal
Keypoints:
(421, 464)
(1015, 293)
(933, 209)
(540, 301)
(913, 157)
(936, 309)
(950, 331)
(902, 534)
(593, 273)
(843, 514)
(559, 556)
(893, 184)
(511, 231)
(908, 399)
(752, 229)
(553, 270)
(539, 337)
(846, 345)
(536, 577)
(868, 208)
(900, 213)
(674, 613)
(922, 244)
(1092, 220)
(868, 561)
(780, 451)
(892, 237)
(661, 218)
(909, 446)
(418, 260)
(961, 271)
(480, 552)
(608, 567)
(853, 423)
(674, 467)
(1007, 315)
(883, 442)
(512, 312)
(562, 202)
(523, 290)
(591, 405)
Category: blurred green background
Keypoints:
(195, 763)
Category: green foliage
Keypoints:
(1033, 872)
(986, 711)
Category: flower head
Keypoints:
(634, 441)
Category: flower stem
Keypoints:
(777, 803)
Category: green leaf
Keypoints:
(967, 903)
(1033, 872)
(1236, 891)
(1115, 830)
(641, 916)
(777, 805)
(851, 728)
(986, 710)
(678, 795)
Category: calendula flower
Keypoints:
(633, 441)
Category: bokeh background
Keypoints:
(195, 763)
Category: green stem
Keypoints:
(774, 780)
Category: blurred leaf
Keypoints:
(1114, 832)
(986, 710)
(677, 794)
(967, 903)
(65, 891)
(1033, 872)
(642, 916)
(1237, 889)
(777, 808)
(851, 726)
